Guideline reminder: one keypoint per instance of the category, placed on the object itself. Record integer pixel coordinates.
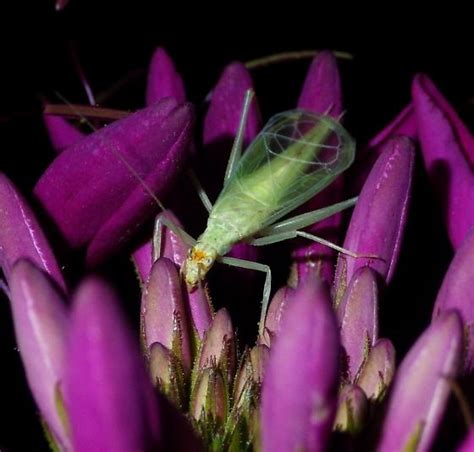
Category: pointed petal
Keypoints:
(456, 293)
(110, 400)
(275, 312)
(443, 139)
(377, 372)
(421, 382)
(41, 326)
(358, 319)
(21, 235)
(378, 221)
(219, 345)
(322, 91)
(163, 314)
(61, 132)
(105, 201)
(163, 79)
(299, 392)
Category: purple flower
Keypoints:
(163, 80)
(299, 392)
(456, 293)
(109, 398)
(448, 152)
(41, 326)
(378, 221)
(90, 191)
(358, 320)
(163, 313)
(21, 235)
(377, 371)
(421, 389)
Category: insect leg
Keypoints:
(280, 237)
(200, 190)
(236, 151)
(308, 218)
(158, 231)
(232, 261)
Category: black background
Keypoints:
(113, 39)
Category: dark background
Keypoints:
(114, 40)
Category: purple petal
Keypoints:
(444, 143)
(456, 293)
(41, 326)
(163, 79)
(358, 319)
(163, 313)
(219, 345)
(421, 388)
(300, 389)
(176, 250)
(111, 404)
(379, 218)
(322, 91)
(377, 372)
(275, 312)
(105, 201)
(223, 116)
(321, 94)
(463, 135)
(61, 133)
(21, 235)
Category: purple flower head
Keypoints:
(421, 382)
(448, 153)
(299, 392)
(109, 398)
(41, 326)
(379, 218)
(90, 191)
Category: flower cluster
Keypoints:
(319, 375)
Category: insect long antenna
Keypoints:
(117, 154)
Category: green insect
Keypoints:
(294, 157)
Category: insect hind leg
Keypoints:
(234, 262)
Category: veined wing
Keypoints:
(295, 156)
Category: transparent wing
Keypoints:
(295, 156)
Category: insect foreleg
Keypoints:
(306, 219)
(158, 232)
(200, 191)
(267, 285)
(236, 151)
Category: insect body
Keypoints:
(294, 157)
